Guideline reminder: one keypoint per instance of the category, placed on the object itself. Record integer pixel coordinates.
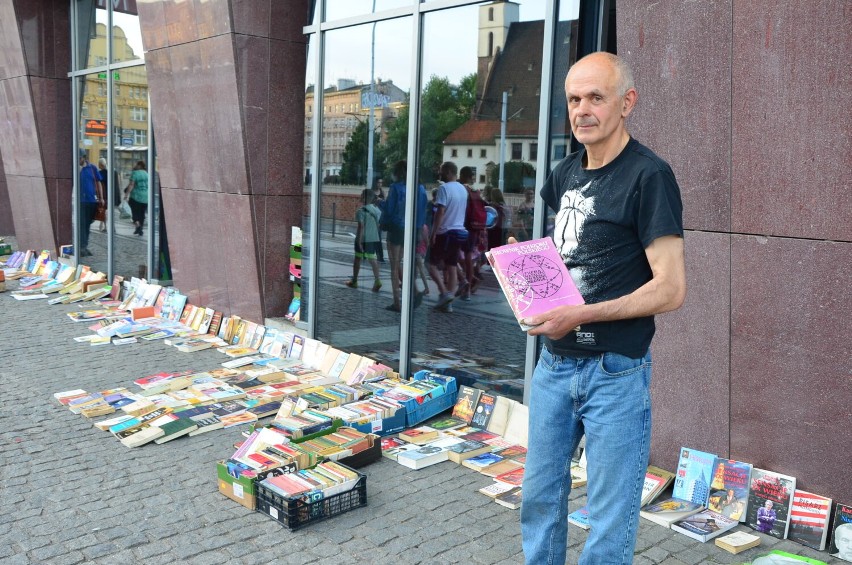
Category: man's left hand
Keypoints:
(556, 323)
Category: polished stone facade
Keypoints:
(227, 88)
(35, 137)
(749, 103)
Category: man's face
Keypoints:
(595, 108)
(768, 505)
(843, 540)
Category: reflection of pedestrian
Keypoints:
(448, 235)
(379, 192)
(766, 517)
(91, 194)
(109, 184)
(136, 195)
(366, 239)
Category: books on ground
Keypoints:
(580, 518)
(737, 542)
(841, 537)
(810, 515)
(769, 497)
(694, 472)
(495, 489)
(705, 525)
(669, 511)
(510, 499)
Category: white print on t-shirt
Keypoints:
(574, 210)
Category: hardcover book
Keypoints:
(704, 525)
(694, 472)
(810, 515)
(841, 538)
(769, 497)
(533, 277)
(423, 456)
(729, 488)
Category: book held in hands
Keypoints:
(534, 278)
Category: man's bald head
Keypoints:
(623, 75)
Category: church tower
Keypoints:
(494, 21)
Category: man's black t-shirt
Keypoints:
(605, 218)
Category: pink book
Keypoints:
(533, 277)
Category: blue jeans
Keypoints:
(607, 398)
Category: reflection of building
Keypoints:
(509, 60)
(130, 108)
(346, 105)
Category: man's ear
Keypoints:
(629, 102)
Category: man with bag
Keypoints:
(474, 222)
(91, 196)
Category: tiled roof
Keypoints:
(484, 132)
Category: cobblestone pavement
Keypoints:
(70, 493)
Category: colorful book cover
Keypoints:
(729, 488)
(533, 277)
(810, 515)
(769, 497)
(841, 538)
(704, 525)
(484, 409)
(693, 475)
(466, 403)
(580, 518)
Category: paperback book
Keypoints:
(729, 488)
(669, 511)
(841, 538)
(810, 516)
(694, 472)
(534, 278)
(737, 542)
(769, 497)
(580, 518)
(705, 525)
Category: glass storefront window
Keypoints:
(363, 71)
(339, 9)
(113, 135)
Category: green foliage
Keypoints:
(444, 108)
(354, 168)
(515, 172)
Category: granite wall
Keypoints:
(749, 103)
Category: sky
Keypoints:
(450, 42)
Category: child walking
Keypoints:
(366, 239)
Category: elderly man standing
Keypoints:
(619, 230)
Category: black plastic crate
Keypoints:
(298, 513)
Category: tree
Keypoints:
(354, 168)
(444, 107)
(514, 175)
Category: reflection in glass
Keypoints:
(480, 107)
(339, 9)
(93, 139)
(132, 172)
(126, 31)
(301, 285)
(91, 28)
(365, 99)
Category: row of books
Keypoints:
(712, 495)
